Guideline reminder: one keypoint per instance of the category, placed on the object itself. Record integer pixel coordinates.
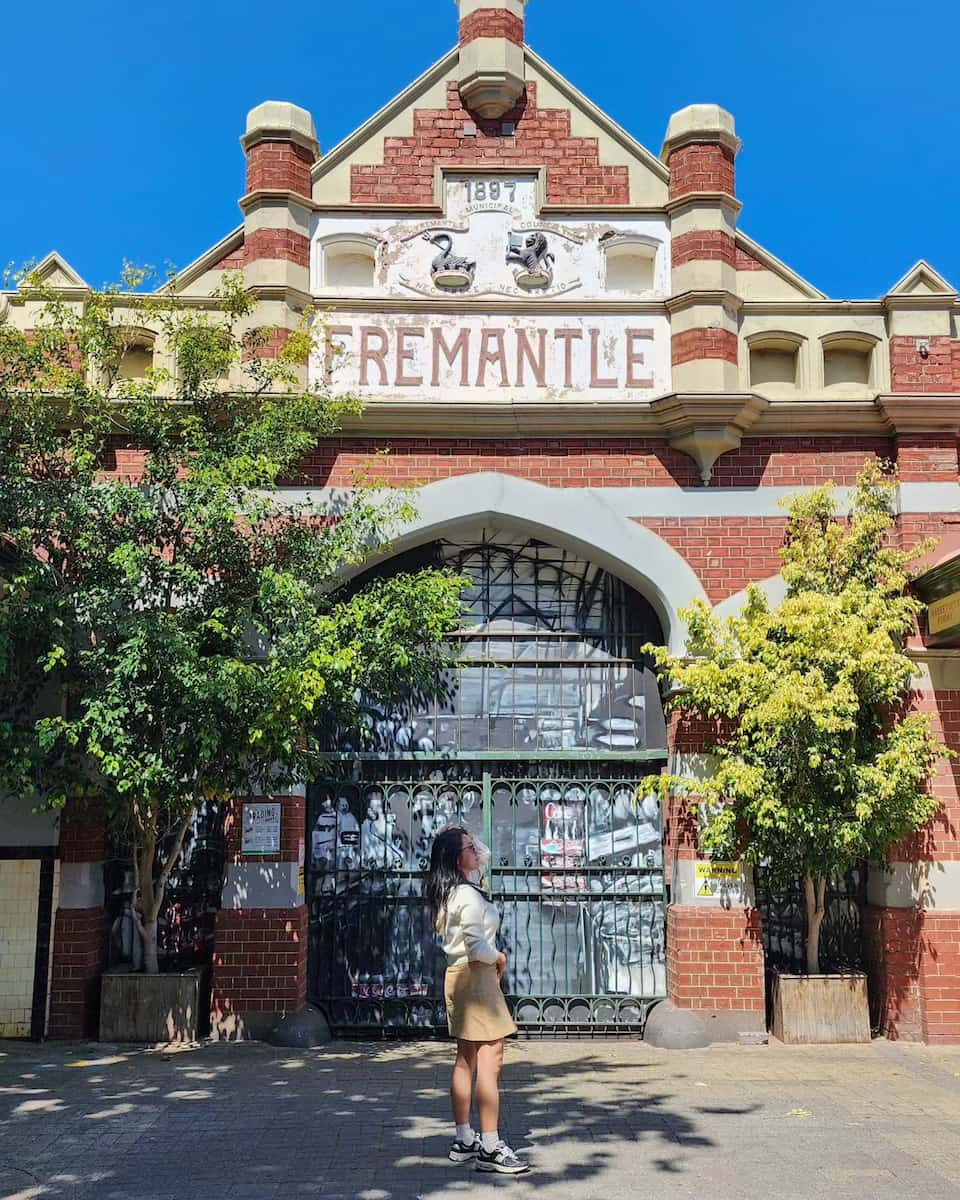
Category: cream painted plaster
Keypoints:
(279, 214)
(928, 885)
(811, 328)
(935, 321)
(19, 895)
(765, 285)
(468, 7)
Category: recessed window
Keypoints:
(775, 363)
(349, 264)
(630, 266)
(847, 364)
(137, 358)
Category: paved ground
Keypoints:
(600, 1121)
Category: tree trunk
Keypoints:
(814, 894)
(151, 964)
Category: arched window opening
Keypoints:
(349, 263)
(630, 266)
(547, 660)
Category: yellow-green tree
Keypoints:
(820, 764)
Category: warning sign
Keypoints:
(711, 876)
(300, 882)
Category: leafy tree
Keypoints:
(818, 763)
(173, 631)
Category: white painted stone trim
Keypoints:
(262, 885)
(927, 885)
(694, 502)
(578, 519)
(81, 885)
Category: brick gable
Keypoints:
(575, 174)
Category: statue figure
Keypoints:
(531, 253)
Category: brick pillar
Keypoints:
(491, 66)
(924, 353)
(700, 149)
(281, 147)
(715, 963)
(80, 927)
(260, 941)
(912, 922)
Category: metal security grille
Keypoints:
(577, 873)
(784, 920)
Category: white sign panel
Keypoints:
(489, 247)
(449, 357)
(261, 829)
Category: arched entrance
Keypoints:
(550, 718)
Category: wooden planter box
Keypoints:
(153, 1008)
(820, 1008)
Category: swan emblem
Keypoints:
(449, 269)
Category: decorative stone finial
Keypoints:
(278, 121)
(700, 124)
(491, 72)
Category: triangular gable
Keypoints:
(218, 257)
(368, 150)
(922, 280)
(55, 272)
(752, 257)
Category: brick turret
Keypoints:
(491, 75)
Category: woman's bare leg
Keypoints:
(489, 1066)
(461, 1082)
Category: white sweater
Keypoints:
(470, 929)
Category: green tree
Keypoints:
(818, 763)
(176, 634)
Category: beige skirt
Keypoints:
(476, 1008)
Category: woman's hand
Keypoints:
(501, 964)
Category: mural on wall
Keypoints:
(578, 875)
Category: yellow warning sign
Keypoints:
(711, 869)
(300, 882)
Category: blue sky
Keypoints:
(123, 119)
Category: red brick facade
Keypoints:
(913, 370)
(744, 261)
(593, 462)
(284, 244)
(702, 167)
(715, 959)
(279, 166)
(575, 174)
(492, 23)
(79, 935)
(79, 956)
(709, 244)
(695, 344)
(260, 962)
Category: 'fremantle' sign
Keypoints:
(476, 355)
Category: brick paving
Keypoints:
(599, 1120)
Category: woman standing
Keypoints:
(477, 1013)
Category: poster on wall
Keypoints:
(261, 829)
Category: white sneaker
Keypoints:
(461, 1152)
(502, 1160)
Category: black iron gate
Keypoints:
(577, 873)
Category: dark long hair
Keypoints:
(445, 868)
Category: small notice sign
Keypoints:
(261, 829)
(301, 887)
(711, 875)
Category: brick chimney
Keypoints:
(491, 74)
